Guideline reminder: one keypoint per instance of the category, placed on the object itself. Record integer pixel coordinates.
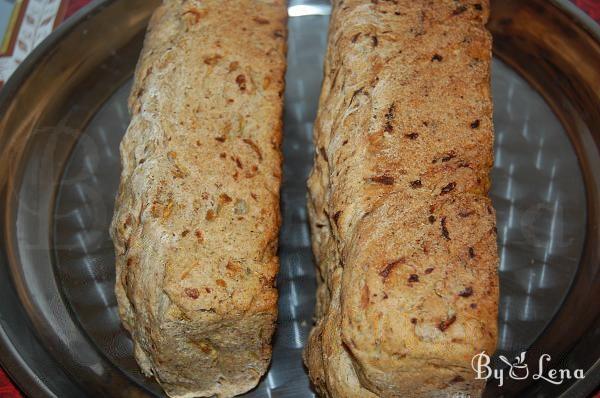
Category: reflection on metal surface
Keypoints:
(302, 10)
(539, 196)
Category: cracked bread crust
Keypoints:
(197, 214)
(403, 230)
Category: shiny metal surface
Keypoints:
(62, 175)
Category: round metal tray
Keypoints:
(64, 112)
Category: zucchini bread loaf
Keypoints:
(403, 230)
(197, 215)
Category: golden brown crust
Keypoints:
(403, 230)
(197, 215)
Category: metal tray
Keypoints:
(63, 114)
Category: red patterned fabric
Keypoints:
(7, 389)
(592, 7)
(73, 6)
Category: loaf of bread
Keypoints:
(403, 230)
(197, 215)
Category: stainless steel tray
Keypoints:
(64, 113)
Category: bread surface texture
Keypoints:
(197, 214)
(403, 231)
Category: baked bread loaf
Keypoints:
(197, 215)
(403, 230)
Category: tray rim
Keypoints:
(11, 361)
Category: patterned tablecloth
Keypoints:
(25, 23)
